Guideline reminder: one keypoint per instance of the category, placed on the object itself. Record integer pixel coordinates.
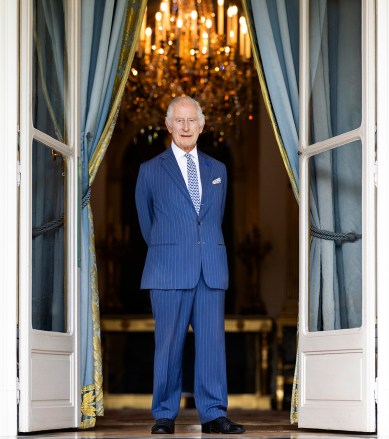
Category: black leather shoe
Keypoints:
(163, 426)
(222, 425)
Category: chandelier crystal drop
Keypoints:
(189, 49)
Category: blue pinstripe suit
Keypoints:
(186, 271)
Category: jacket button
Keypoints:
(198, 242)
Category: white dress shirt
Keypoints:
(183, 163)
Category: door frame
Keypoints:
(9, 108)
(382, 45)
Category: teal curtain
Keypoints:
(336, 175)
(48, 243)
(48, 168)
(101, 37)
(274, 32)
(335, 98)
(335, 108)
(109, 35)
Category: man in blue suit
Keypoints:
(180, 198)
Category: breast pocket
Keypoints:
(217, 191)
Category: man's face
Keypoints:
(185, 127)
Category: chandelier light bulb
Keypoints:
(230, 11)
(163, 7)
(220, 17)
(193, 28)
(179, 23)
(158, 16)
(208, 23)
(243, 37)
(148, 33)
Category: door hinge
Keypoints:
(17, 390)
(375, 391)
(376, 173)
(19, 174)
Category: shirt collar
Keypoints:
(179, 153)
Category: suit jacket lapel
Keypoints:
(169, 162)
(205, 175)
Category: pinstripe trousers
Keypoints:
(173, 311)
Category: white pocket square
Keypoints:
(217, 181)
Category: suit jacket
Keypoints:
(180, 243)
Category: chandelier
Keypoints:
(187, 48)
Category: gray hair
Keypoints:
(188, 99)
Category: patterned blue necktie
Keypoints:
(193, 183)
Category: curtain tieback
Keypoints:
(58, 222)
(86, 198)
(334, 236)
(48, 227)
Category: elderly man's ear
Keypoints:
(169, 128)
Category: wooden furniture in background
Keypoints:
(259, 326)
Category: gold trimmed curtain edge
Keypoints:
(268, 105)
(102, 146)
(97, 353)
(295, 395)
(92, 396)
(88, 410)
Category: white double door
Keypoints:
(337, 381)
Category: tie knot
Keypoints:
(188, 156)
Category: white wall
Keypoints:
(9, 51)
